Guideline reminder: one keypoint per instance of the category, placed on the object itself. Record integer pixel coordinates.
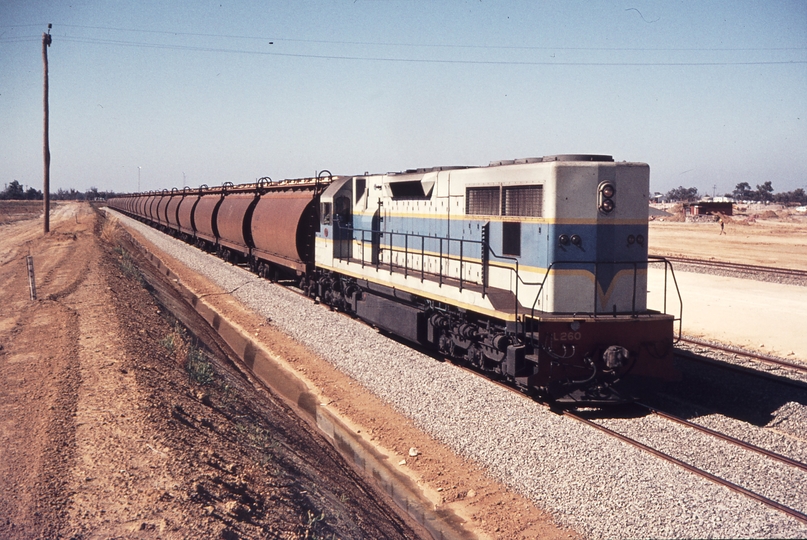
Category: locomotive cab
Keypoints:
(336, 222)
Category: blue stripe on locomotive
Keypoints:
(602, 243)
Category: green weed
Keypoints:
(313, 520)
(199, 368)
(168, 343)
(128, 265)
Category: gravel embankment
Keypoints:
(593, 483)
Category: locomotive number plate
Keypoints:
(567, 336)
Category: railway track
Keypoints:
(722, 436)
(741, 268)
(784, 508)
(733, 486)
(797, 379)
(772, 360)
(647, 409)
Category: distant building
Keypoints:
(709, 208)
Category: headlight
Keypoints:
(606, 193)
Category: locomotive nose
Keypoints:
(616, 357)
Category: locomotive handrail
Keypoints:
(392, 248)
(445, 257)
(650, 260)
(668, 264)
(518, 276)
(319, 175)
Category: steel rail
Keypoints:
(691, 468)
(750, 268)
(666, 457)
(801, 368)
(728, 438)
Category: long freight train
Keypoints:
(534, 270)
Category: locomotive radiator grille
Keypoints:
(520, 201)
(526, 201)
(483, 201)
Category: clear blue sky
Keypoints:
(708, 93)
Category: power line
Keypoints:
(432, 45)
(18, 39)
(371, 58)
(147, 45)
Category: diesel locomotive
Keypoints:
(532, 270)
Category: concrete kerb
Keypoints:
(441, 524)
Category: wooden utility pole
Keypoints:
(46, 39)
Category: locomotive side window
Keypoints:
(525, 201)
(360, 191)
(482, 201)
(325, 213)
(511, 238)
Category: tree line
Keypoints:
(16, 192)
(743, 192)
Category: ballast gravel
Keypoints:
(597, 485)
